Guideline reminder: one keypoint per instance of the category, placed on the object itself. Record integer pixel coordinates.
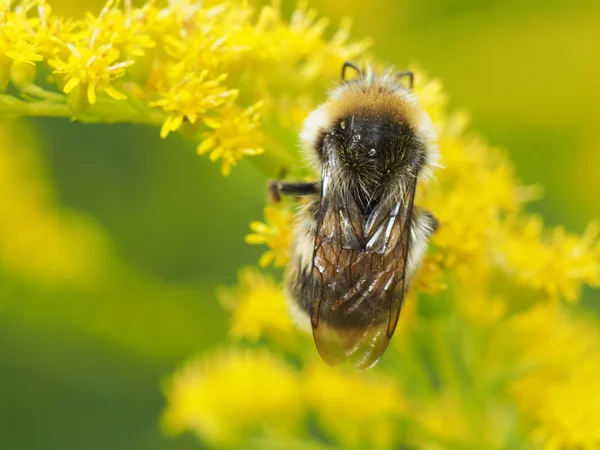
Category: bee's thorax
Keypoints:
(373, 154)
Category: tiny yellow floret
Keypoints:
(234, 134)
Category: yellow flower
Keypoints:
(190, 97)
(474, 191)
(227, 396)
(358, 409)
(276, 233)
(20, 50)
(127, 32)
(297, 55)
(258, 307)
(234, 134)
(92, 68)
(430, 278)
(16, 38)
(16, 42)
(432, 96)
(569, 415)
(556, 263)
(444, 421)
(556, 355)
(181, 53)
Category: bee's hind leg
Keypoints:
(423, 225)
(277, 188)
(424, 218)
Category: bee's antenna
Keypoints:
(350, 65)
(407, 74)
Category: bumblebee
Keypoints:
(359, 239)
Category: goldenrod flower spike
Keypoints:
(207, 396)
(184, 65)
(91, 68)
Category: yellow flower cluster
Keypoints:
(555, 263)
(265, 394)
(557, 352)
(485, 355)
(372, 404)
(209, 69)
(262, 392)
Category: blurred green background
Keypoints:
(81, 366)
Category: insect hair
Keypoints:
(381, 94)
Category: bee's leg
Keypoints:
(423, 225)
(432, 224)
(276, 189)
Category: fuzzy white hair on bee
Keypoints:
(381, 132)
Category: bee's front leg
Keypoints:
(277, 188)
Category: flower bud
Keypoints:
(22, 73)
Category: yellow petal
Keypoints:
(176, 122)
(166, 127)
(212, 123)
(71, 84)
(91, 94)
(266, 259)
(112, 92)
(225, 168)
(172, 123)
(255, 239)
(216, 153)
(206, 145)
(24, 58)
(259, 227)
(252, 151)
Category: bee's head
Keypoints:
(377, 132)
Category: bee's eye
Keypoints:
(372, 152)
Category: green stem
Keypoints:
(278, 158)
(43, 110)
(38, 92)
(105, 110)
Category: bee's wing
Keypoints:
(358, 276)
